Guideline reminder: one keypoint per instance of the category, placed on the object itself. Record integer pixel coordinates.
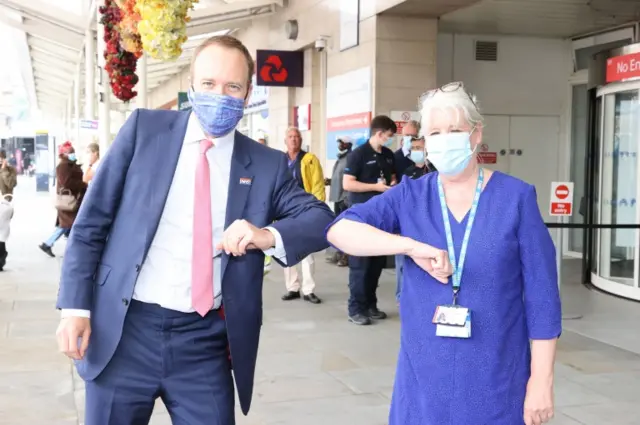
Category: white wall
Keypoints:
(529, 78)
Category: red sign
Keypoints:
(562, 192)
(349, 122)
(561, 208)
(281, 68)
(623, 67)
(487, 157)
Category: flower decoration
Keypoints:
(128, 27)
(163, 26)
(120, 64)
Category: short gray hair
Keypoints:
(415, 124)
(292, 128)
(459, 101)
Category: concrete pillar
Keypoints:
(68, 118)
(76, 103)
(90, 77)
(142, 82)
(104, 105)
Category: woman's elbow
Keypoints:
(333, 234)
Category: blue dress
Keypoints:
(509, 283)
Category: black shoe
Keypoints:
(312, 298)
(376, 314)
(291, 295)
(343, 261)
(47, 250)
(360, 319)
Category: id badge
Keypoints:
(452, 321)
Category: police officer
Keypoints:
(370, 171)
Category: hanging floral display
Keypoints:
(128, 27)
(163, 26)
(120, 64)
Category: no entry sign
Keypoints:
(561, 199)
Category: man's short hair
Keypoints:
(296, 129)
(415, 124)
(383, 123)
(228, 42)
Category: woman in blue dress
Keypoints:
(480, 309)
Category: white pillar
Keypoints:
(142, 82)
(76, 103)
(104, 105)
(90, 78)
(68, 119)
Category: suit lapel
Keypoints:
(240, 182)
(163, 161)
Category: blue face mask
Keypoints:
(450, 153)
(417, 157)
(72, 157)
(406, 145)
(217, 114)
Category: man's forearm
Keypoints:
(359, 187)
(543, 356)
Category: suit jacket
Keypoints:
(120, 214)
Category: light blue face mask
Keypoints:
(450, 153)
(417, 157)
(406, 145)
(72, 157)
(218, 114)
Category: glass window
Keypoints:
(579, 123)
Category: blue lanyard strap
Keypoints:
(458, 267)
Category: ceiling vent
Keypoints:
(487, 51)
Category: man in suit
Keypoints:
(176, 225)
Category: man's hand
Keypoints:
(69, 331)
(381, 187)
(432, 260)
(4, 163)
(242, 235)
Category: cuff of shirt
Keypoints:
(68, 312)
(278, 250)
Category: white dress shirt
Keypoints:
(165, 276)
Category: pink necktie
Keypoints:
(202, 257)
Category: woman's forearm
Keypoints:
(543, 357)
(363, 240)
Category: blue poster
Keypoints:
(42, 162)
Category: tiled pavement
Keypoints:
(314, 367)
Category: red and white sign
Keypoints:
(349, 122)
(487, 157)
(401, 118)
(623, 67)
(561, 200)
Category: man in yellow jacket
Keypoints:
(307, 171)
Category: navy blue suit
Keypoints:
(119, 218)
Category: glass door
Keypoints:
(617, 251)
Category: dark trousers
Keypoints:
(364, 274)
(3, 254)
(179, 357)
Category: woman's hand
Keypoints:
(432, 260)
(538, 404)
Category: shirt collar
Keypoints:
(195, 134)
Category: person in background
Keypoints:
(337, 194)
(262, 141)
(403, 162)
(306, 170)
(419, 168)
(409, 131)
(93, 158)
(370, 171)
(481, 318)
(6, 214)
(8, 175)
(69, 180)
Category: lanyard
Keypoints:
(458, 267)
